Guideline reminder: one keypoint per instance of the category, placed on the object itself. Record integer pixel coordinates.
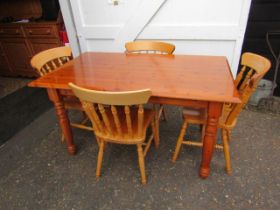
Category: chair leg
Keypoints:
(141, 163)
(99, 158)
(226, 151)
(97, 140)
(155, 133)
(229, 135)
(62, 137)
(180, 140)
(85, 118)
(163, 113)
(156, 120)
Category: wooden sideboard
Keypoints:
(20, 41)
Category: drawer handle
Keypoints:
(30, 32)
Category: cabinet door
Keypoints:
(18, 55)
(4, 65)
(39, 45)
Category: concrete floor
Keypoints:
(37, 173)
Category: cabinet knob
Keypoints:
(17, 31)
(30, 32)
(48, 31)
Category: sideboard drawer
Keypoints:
(11, 31)
(41, 31)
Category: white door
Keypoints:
(202, 27)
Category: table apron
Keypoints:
(159, 100)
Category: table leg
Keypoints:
(214, 113)
(55, 97)
(157, 140)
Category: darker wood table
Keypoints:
(182, 80)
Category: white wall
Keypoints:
(206, 27)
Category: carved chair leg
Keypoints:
(85, 118)
(226, 150)
(97, 139)
(156, 120)
(155, 132)
(163, 113)
(229, 135)
(62, 137)
(141, 163)
(180, 140)
(99, 158)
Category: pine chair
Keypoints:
(119, 117)
(150, 47)
(48, 61)
(257, 66)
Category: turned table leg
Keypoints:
(156, 138)
(55, 97)
(214, 113)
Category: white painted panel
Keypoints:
(99, 45)
(100, 12)
(213, 27)
(193, 32)
(199, 11)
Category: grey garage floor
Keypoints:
(37, 173)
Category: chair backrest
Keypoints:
(260, 65)
(251, 64)
(102, 106)
(49, 60)
(151, 47)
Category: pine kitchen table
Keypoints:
(181, 80)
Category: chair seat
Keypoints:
(196, 116)
(125, 138)
(72, 102)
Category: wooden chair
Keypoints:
(150, 47)
(256, 66)
(147, 47)
(119, 117)
(48, 61)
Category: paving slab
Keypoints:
(37, 172)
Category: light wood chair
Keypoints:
(48, 61)
(119, 117)
(256, 66)
(151, 47)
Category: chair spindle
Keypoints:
(128, 120)
(140, 120)
(116, 120)
(246, 79)
(105, 119)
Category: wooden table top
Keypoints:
(191, 77)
